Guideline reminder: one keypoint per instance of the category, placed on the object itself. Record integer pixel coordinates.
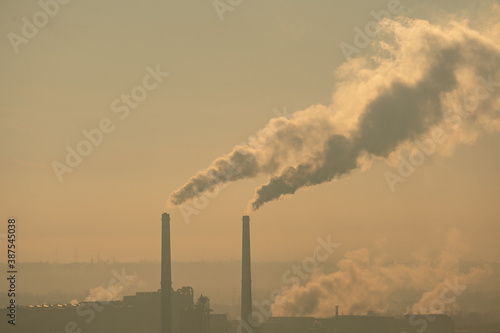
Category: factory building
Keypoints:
(175, 311)
(336, 324)
(196, 319)
(359, 324)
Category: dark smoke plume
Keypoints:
(421, 77)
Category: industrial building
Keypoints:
(336, 324)
(175, 311)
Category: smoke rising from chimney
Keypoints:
(367, 282)
(381, 105)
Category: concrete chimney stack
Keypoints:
(166, 276)
(246, 275)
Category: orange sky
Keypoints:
(226, 78)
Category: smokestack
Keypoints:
(246, 275)
(166, 276)
(336, 310)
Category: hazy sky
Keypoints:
(226, 78)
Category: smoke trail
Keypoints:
(364, 282)
(381, 105)
(110, 293)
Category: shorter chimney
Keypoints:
(246, 275)
(336, 310)
(166, 277)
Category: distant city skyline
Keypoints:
(226, 80)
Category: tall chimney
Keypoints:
(166, 276)
(246, 275)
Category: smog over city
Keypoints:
(235, 166)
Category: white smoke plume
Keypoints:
(102, 294)
(421, 76)
(365, 283)
(114, 289)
